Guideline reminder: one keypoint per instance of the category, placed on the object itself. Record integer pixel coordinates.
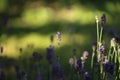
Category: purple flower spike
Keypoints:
(103, 20)
(101, 49)
(109, 67)
(50, 54)
(79, 62)
(79, 67)
(58, 35)
(87, 76)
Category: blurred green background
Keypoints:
(28, 24)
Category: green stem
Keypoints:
(92, 59)
(109, 54)
(115, 52)
(101, 31)
(97, 37)
(112, 55)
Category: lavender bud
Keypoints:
(58, 35)
(71, 61)
(96, 18)
(103, 20)
(101, 49)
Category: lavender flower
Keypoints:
(105, 59)
(58, 35)
(103, 20)
(85, 54)
(79, 67)
(71, 61)
(87, 76)
(50, 54)
(57, 72)
(101, 49)
(94, 46)
(109, 67)
(113, 42)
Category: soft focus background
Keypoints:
(28, 25)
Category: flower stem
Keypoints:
(101, 32)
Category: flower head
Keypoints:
(105, 59)
(96, 18)
(87, 76)
(71, 61)
(50, 54)
(109, 67)
(58, 35)
(79, 67)
(94, 46)
(103, 20)
(101, 49)
(85, 54)
(113, 42)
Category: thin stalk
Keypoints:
(109, 53)
(101, 32)
(92, 59)
(112, 54)
(97, 37)
(115, 52)
(97, 32)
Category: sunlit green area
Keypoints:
(32, 22)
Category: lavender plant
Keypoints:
(108, 63)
